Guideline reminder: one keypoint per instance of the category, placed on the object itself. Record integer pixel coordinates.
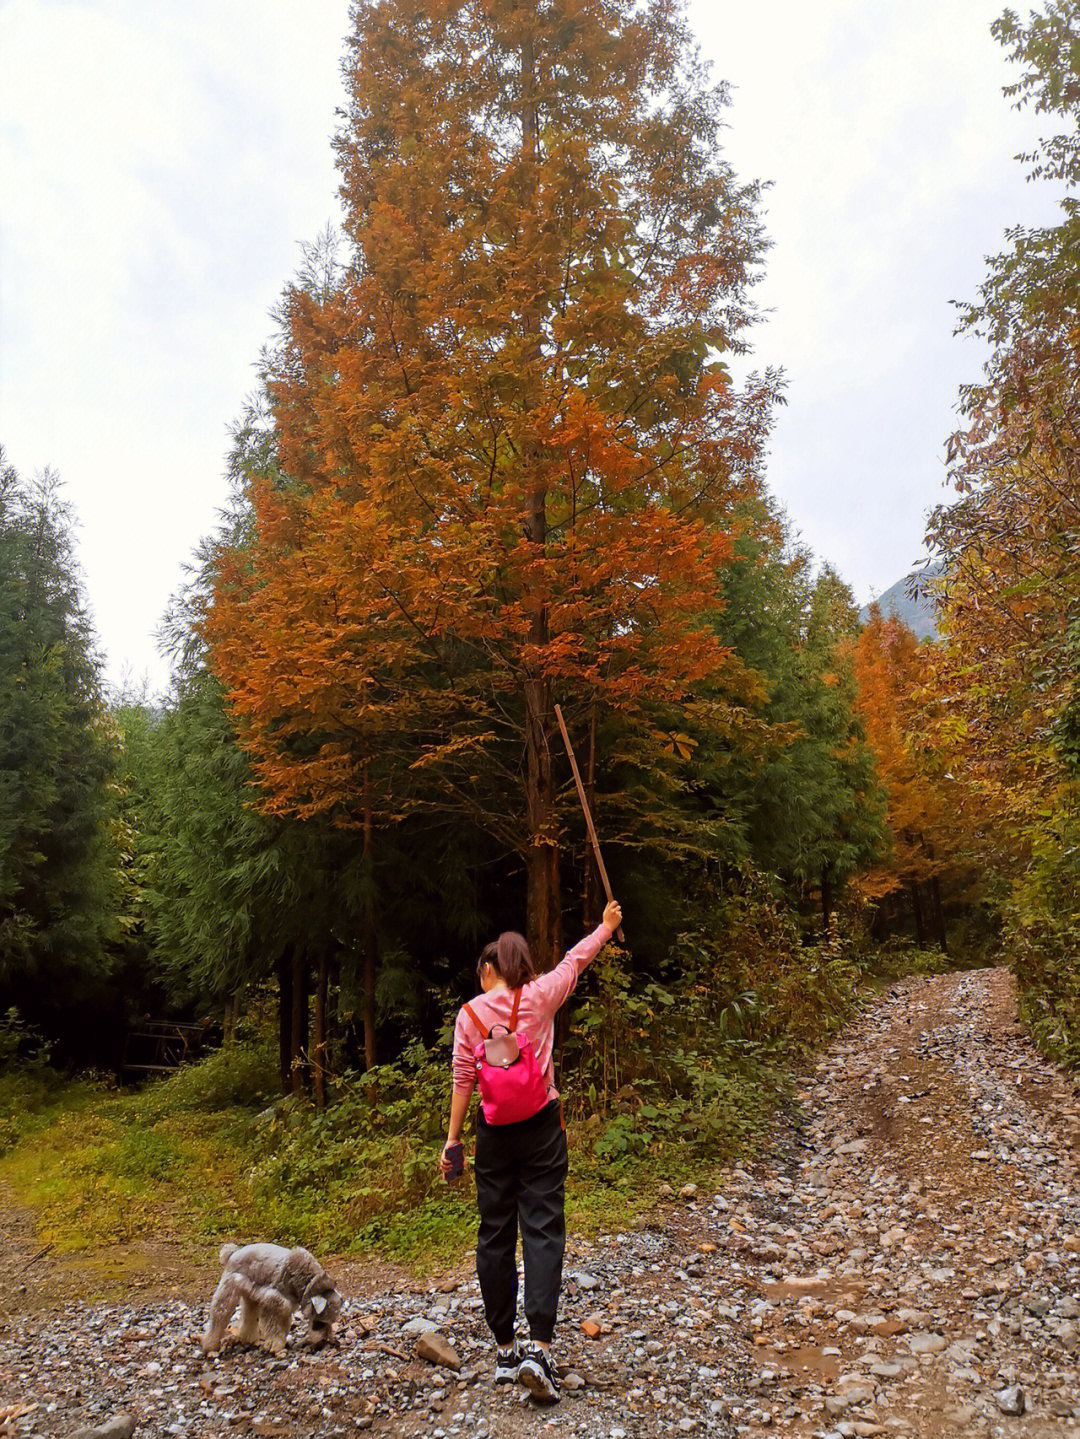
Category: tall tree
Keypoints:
(897, 691)
(815, 807)
(1012, 569)
(507, 443)
(1011, 586)
(57, 759)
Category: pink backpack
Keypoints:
(511, 1085)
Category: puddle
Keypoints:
(806, 1362)
(837, 1293)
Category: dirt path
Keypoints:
(906, 1260)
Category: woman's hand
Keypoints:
(446, 1164)
(612, 914)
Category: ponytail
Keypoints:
(510, 956)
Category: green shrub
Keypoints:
(141, 1154)
(1043, 938)
(238, 1076)
(21, 1046)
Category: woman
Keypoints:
(520, 1167)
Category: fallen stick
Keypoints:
(588, 816)
(376, 1346)
(39, 1255)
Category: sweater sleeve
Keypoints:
(465, 1037)
(555, 988)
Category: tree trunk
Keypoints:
(318, 1065)
(298, 1046)
(543, 907)
(939, 914)
(917, 911)
(371, 939)
(591, 907)
(285, 1006)
(333, 1016)
(231, 1018)
(826, 901)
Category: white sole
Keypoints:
(538, 1385)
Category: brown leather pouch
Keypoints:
(502, 1050)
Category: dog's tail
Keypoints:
(226, 1252)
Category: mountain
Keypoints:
(918, 613)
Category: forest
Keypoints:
(507, 451)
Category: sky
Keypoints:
(160, 166)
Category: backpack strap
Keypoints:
(514, 1011)
(486, 1033)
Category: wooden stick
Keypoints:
(588, 817)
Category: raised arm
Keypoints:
(556, 987)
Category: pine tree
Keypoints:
(57, 760)
(818, 811)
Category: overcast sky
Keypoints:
(160, 164)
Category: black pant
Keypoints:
(520, 1179)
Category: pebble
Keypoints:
(437, 1350)
(120, 1426)
(1011, 1400)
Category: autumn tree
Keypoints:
(926, 804)
(1011, 586)
(506, 440)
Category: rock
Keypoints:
(590, 1328)
(420, 1326)
(925, 1343)
(572, 1380)
(437, 1350)
(585, 1281)
(688, 1191)
(855, 1389)
(855, 1146)
(961, 1414)
(119, 1426)
(1011, 1400)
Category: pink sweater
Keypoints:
(541, 999)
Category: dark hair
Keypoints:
(510, 956)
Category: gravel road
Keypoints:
(906, 1261)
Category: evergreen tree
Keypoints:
(817, 810)
(57, 762)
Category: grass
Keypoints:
(214, 1152)
(196, 1157)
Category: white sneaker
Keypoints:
(538, 1375)
(508, 1363)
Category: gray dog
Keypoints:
(270, 1283)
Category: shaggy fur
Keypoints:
(270, 1284)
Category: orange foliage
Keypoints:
(896, 687)
(510, 447)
